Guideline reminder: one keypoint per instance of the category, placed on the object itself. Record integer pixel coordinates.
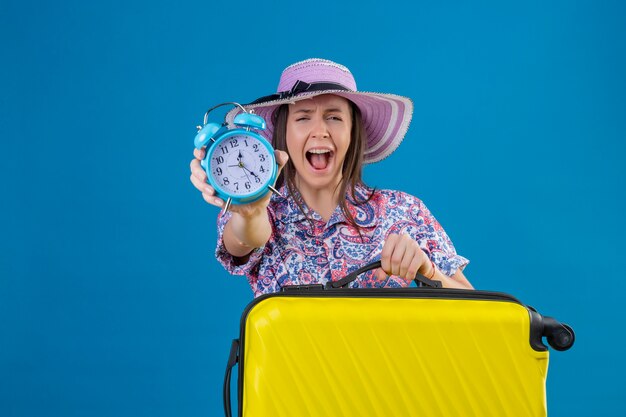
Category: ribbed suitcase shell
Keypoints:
(416, 352)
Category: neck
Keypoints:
(324, 201)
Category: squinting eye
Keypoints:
(302, 118)
(335, 118)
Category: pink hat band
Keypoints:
(316, 71)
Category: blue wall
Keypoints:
(111, 303)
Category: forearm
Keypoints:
(457, 280)
(243, 234)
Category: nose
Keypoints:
(319, 128)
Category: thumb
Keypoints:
(380, 274)
(281, 158)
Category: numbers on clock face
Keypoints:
(240, 164)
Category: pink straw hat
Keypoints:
(386, 117)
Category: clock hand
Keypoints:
(244, 171)
(250, 171)
(240, 163)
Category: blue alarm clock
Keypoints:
(239, 162)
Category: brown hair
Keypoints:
(352, 164)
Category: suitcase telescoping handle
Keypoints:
(233, 358)
(420, 280)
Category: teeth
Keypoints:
(319, 151)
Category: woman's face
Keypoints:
(318, 137)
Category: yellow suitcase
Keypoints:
(309, 351)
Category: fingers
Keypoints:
(201, 185)
(388, 249)
(197, 170)
(394, 252)
(198, 178)
(402, 256)
(199, 154)
(213, 200)
(414, 266)
(208, 192)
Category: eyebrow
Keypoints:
(331, 110)
(334, 110)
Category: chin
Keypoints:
(318, 182)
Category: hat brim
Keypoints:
(386, 118)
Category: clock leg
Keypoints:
(274, 190)
(227, 205)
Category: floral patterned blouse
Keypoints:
(298, 254)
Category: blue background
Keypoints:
(111, 302)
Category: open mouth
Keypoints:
(319, 158)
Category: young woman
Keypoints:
(327, 222)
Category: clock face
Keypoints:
(241, 165)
